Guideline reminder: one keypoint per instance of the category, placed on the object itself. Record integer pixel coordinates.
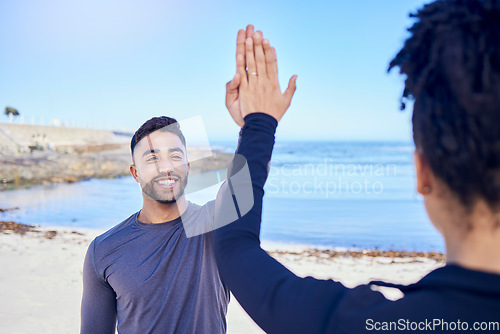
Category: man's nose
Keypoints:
(165, 166)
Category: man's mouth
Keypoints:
(167, 183)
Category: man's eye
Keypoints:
(153, 158)
(176, 157)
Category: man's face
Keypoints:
(161, 166)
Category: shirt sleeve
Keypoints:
(98, 311)
(276, 299)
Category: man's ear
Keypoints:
(425, 177)
(134, 172)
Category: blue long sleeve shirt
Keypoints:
(152, 278)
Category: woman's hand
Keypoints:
(255, 87)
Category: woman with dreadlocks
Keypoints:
(452, 67)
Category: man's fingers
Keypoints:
(240, 43)
(233, 84)
(275, 60)
(240, 57)
(232, 90)
(271, 62)
(240, 69)
(250, 59)
(260, 59)
(288, 94)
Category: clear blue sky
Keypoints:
(117, 63)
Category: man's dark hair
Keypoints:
(162, 123)
(452, 67)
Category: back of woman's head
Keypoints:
(452, 67)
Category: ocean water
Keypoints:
(322, 194)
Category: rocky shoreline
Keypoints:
(104, 161)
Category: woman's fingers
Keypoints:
(249, 31)
(271, 61)
(260, 59)
(250, 60)
(258, 89)
(290, 90)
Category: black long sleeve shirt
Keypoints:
(447, 300)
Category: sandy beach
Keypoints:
(41, 268)
(41, 276)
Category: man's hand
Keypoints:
(232, 94)
(256, 90)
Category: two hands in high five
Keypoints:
(255, 86)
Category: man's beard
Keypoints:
(168, 197)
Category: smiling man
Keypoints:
(145, 275)
(161, 168)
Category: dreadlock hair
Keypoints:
(162, 123)
(452, 67)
